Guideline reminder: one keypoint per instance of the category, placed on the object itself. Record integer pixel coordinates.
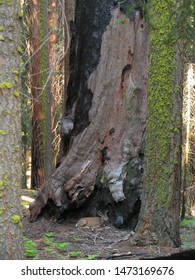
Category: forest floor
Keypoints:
(46, 240)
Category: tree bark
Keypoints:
(36, 93)
(107, 97)
(46, 94)
(10, 132)
(160, 210)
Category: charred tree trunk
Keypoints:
(106, 116)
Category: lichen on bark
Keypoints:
(163, 136)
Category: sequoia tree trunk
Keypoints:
(10, 132)
(160, 211)
(106, 115)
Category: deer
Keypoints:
(93, 222)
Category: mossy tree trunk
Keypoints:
(160, 211)
(10, 132)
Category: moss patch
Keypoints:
(16, 72)
(15, 219)
(2, 210)
(16, 93)
(4, 85)
(20, 50)
(20, 14)
(5, 2)
(2, 132)
(162, 123)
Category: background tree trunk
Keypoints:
(46, 95)
(36, 93)
(10, 132)
(106, 116)
(47, 24)
(188, 137)
(160, 211)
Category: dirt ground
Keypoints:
(65, 241)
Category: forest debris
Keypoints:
(119, 255)
(27, 198)
(126, 237)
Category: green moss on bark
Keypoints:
(159, 216)
(2, 210)
(6, 2)
(5, 84)
(10, 113)
(16, 220)
(162, 124)
(16, 93)
(3, 132)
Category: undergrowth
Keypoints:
(53, 250)
(190, 223)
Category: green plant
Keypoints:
(25, 203)
(48, 238)
(30, 249)
(49, 234)
(61, 246)
(188, 223)
(90, 257)
(188, 245)
(75, 254)
(49, 251)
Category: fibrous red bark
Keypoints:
(36, 91)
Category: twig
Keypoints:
(117, 255)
